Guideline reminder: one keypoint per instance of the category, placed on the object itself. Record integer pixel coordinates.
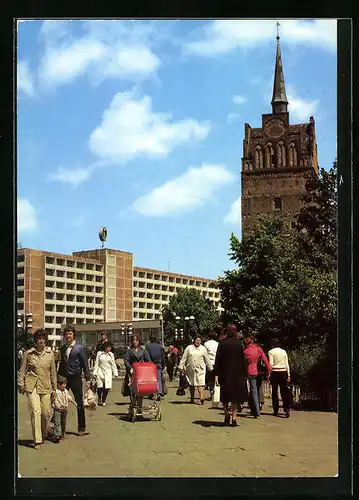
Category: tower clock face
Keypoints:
(274, 128)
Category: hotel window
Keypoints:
(70, 298)
(157, 296)
(21, 257)
(60, 262)
(157, 276)
(99, 289)
(178, 280)
(165, 297)
(149, 315)
(80, 276)
(149, 276)
(99, 312)
(70, 263)
(80, 265)
(90, 266)
(60, 296)
(20, 294)
(49, 319)
(20, 282)
(49, 307)
(198, 283)
(135, 315)
(98, 268)
(50, 295)
(20, 270)
(157, 316)
(98, 279)
(165, 288)
(60, 308)
(49, 284)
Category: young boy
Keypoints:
(60, 400)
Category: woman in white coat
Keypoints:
(193, 363)
(105, 368)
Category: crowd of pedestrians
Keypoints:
(229, 359)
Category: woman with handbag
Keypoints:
(105, 368)
(255, 355)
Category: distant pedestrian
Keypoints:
(211, 345)
(37, 379)
(157, 355)
(104, 338)
(254, 354)
(280, 376)
(73, 363)
(105, 368)
(193, 363)
(230, 373)
(171, 361)
(60, 400)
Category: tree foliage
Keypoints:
(189, 302)
(286, 286)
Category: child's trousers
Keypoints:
(60, 422)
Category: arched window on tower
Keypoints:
(277, 204)
(292, 155)
(258, 157)
(281, 155)
(269, 155)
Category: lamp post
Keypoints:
(187, 324)
(127, 331)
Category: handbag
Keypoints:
(261, 366)
(125, 389)
(164, 386)
(216, 395)
(90, 400)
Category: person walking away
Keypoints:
(135, 353)
(157, 355)
(193, 363)
(280, 376)
(37, 379)
(230, 371)
(105, 368)
(171, 362)
(60, 400)
(178, 356)
(73, 363)
(253, 353)
(211, 345)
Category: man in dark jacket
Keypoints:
(103, 340)
(158, 357)
(73, 362)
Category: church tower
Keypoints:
(277, 158)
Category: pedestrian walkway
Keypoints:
(190, 441)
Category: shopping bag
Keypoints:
(216, 395)
(90, 400)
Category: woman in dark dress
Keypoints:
(230, 370)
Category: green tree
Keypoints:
(189, 302)
(286, 286)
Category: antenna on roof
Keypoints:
(102, 235)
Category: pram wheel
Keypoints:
(159, 415)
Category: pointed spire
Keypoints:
(279, 99)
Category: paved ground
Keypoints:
(190, 441)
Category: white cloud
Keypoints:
(233, 117)
(300, 108)
(26, 216)
(222, 36)
(105, 49)
(239, 99)
(71, 176)
(184, 193)
(25, 80)
(235, 213)
(130, 128)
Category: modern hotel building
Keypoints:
(96, 286)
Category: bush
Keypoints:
(303, 360)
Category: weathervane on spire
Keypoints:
(278, 30)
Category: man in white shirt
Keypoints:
(211, 346)
(280, 376)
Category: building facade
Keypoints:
(95, 286)
(277, 159)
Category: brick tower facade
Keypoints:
(277, 158)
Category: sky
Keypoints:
(138, 126)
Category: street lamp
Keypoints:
(126, 330)
(187, 324)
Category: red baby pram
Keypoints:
(144, 382)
